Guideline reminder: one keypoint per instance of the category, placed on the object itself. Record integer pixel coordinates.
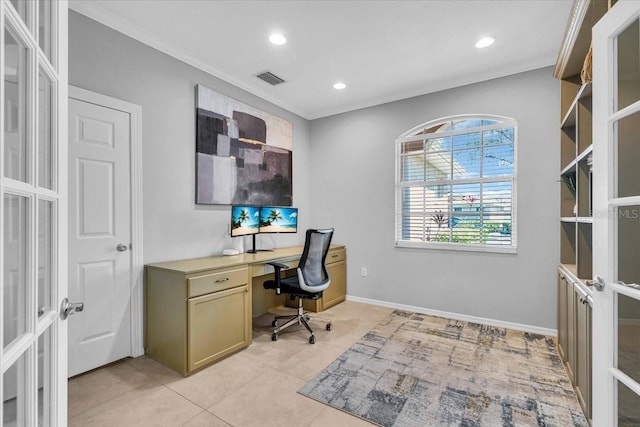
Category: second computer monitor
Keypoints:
(275, 219)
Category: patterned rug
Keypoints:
(419, 370)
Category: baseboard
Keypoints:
(458, 316)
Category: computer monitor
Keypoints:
(245, 220)
(274, 219)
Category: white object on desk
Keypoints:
(228, 252)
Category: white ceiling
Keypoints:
(382, 50)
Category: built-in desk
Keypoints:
(199, 310)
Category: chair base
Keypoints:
(300, 318)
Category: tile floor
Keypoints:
(255, 387)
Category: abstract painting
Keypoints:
(243, 154)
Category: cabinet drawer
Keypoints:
(335, 256)
(217, 281)
(262, 269)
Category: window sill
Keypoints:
(461, 247)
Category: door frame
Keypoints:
(136, 279)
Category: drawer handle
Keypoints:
(334, 256)
(226, 279)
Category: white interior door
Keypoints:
(616, 263)
(99, 234)
(33, 212)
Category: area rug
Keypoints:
(419, 370)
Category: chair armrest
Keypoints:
(278, 265)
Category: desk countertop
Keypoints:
(196, 265)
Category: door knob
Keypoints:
(67, 308)
(597, 283)
(122, 247)
(629, 285)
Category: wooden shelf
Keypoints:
(571, 268)
(577, 219)
(570, 116)
(576, 145)
(585, 153)
(570, 168)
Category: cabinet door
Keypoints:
(219, 324)
(562, 316)
(570, 350)
(337, 291)
(583, 353)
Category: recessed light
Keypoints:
(277, 38)
(339, 86)
(484, 42)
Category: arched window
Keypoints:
(456, 184)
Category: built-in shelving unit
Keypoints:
(576, 207)
(576, 145)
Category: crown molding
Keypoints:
(102, 15)
(434, 87)
(578, 12)
(577, 38)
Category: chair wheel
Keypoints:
(274, 323)
(274, 337)
(329, 326)
(312, 339)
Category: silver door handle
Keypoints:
(629, 285)
(597, 283)
(67, 308)
(122, 247)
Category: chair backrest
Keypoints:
(312, 270)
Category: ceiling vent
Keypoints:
(270, 78)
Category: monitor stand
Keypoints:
(253, 249)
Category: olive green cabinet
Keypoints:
(337, 292)
(196, 318)
(217, 325)
(199, 310)
(565, 292)
(582, 377)
(574, 335)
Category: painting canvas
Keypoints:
(243, 154)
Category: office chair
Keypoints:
(311, 279)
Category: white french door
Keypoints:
(33, 174)
(616, 261)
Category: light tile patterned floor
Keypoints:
(256, 387)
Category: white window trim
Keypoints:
(409, 136)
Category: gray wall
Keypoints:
(105, 61)
(352, 185)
